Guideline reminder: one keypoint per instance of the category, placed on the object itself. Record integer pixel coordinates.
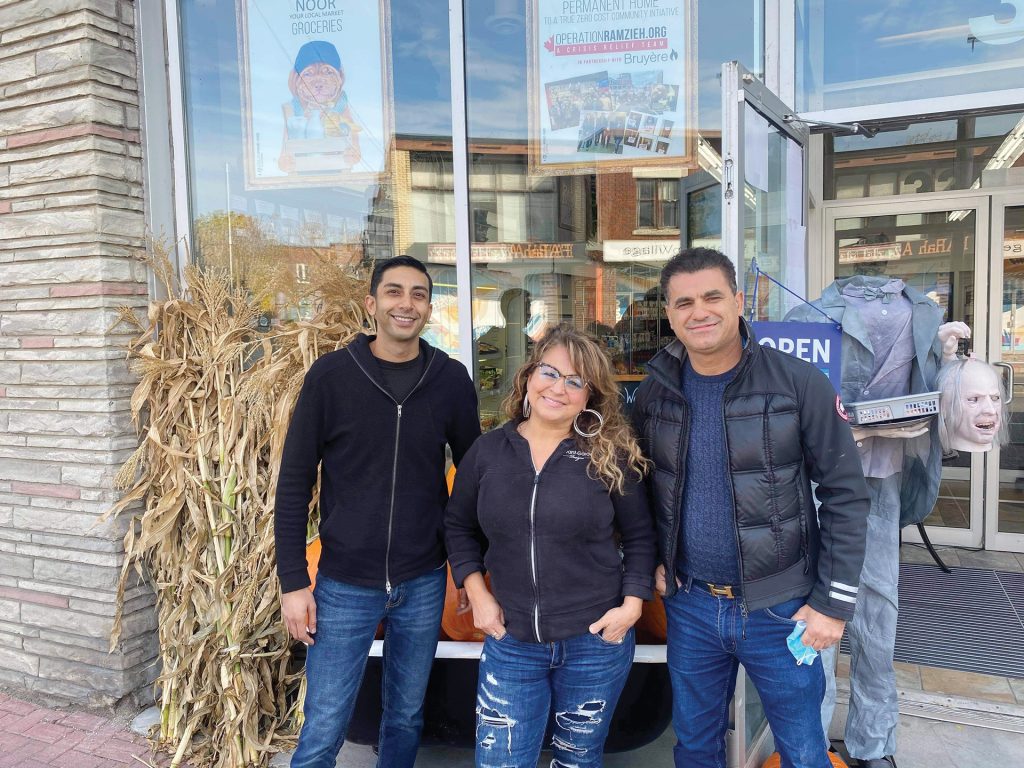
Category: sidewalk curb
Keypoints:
(978, 713)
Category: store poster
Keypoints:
(612, 85)
(316, 91)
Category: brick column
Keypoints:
(71, 218)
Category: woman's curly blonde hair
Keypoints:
(613, 450)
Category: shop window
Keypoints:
(359, 173)
(584, 243)
(657, 204)
(928, 156)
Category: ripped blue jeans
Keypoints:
(578, 679)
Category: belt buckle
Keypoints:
(718, 591)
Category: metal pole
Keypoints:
(460, 173)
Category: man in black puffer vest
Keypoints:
(737, 432)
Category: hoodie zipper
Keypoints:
(391, 510)
(394, 465)
(533, 559)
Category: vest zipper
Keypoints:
(735, 525)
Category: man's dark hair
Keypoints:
(399, 261)
(690, 260)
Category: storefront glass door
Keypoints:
(939, 247)
(763, 188)
(1005, 471)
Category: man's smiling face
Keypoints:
(401, 306)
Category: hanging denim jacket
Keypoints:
(921, 463)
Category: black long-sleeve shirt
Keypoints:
(549, 536)
(382, 489)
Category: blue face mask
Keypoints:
(803, 654)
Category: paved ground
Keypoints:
(37, 737)
(923, 744)
(33, 736)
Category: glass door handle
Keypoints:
(1009, 380)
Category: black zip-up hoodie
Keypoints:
(549, 536)
(382, 488)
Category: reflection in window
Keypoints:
(657, 204)
(282, 231)
(932, 252)
(584, 248)
(937, 156)
(704, 217)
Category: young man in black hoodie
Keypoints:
(375, 417)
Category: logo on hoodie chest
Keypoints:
(577, 455)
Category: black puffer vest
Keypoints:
(784, 427)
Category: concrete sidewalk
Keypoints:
(33, 736)
(923, 743)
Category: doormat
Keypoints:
(970, 619)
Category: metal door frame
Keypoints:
(1000, 201)
(740, 88)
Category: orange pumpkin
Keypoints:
(456, 626)
(653, 625)
(774, 761)
(313, 549)
(313, 560)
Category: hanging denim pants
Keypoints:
(874, 712)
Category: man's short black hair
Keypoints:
(399, 261)
(690, 260)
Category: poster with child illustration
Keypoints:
(316, 91)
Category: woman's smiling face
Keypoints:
(552, 397)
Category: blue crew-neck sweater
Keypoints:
(708, 533)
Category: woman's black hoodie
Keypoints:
(549, 536)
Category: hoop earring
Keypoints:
(526, 406)
(597, 415)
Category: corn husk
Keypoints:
(212, 406)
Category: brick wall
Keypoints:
(71, 217)
(616, 206)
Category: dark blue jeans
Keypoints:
(707, 640)
(520, 683)
(346, 620)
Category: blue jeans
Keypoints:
(581, 678)
(874, 703)
(708, 639)
(346, 620)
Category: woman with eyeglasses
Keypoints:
(553, 506)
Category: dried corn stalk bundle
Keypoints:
(213, 404)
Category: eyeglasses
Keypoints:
(551, 374)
